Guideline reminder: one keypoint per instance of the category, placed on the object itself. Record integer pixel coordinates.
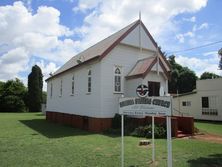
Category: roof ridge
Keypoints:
(75, 57)
(103, 47)
(107, 37)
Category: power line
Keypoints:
(197, 47)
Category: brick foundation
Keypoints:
(81, 122)
(185, 124)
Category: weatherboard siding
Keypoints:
(125, 57)
(82, 102)
(205, 88)
(133, 39)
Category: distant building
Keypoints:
(205, 103)
(85, 91)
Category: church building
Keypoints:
(85, 91)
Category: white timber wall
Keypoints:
(133, 39)
(81, 103)
(193, 110)
(125, 57)
(205, 88)
(132, 84)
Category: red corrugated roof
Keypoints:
(101, 49)
(142, 67)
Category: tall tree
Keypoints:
(187, 80)
(35, 84)
(208, 75)
(182, 78)
(12, 96)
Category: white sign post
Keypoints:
(150, 106)
(153, 144)
(122, 138)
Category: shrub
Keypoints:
(146, 131)
(116, 121)
(12, 96)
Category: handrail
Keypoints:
(178, 111)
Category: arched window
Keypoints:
(117, 79)
(89, 81)
(51, 88)
(73, 84)
(61, 87)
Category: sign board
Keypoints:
(142, 90)
(136, 106)
(151, 106)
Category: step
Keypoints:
(179, 132)
(182, 135)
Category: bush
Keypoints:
(12, 96)
(113, 132)
(146, 131)
(128, 124)
(116, 121)
(12, 103)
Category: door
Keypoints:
(154, 88)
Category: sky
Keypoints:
(49, 32)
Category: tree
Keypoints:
(44, 97)
(220, 62)
(182, 78)
(12, 96)
(208, 75)
(35, 84)
(187, 80)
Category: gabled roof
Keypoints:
(102, 48)
(142, 67)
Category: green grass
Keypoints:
(209, 127)
(27, 140)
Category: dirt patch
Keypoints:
(208, 137)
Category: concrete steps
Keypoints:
(181, 134)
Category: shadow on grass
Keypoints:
(53, 130)
(40, 114)
(208, 121)
(214, 160)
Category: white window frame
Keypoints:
(211, 110)
(118, 76)
(89, 81)
(187, 103)
(73, 85)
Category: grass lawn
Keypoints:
(209, 127)
(27, 140)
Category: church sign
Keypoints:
(146, 106)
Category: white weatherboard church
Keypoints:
(85, 91)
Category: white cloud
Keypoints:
(24, 34)
(201, 65)
(200, 27)
(106, 17)
(181, 37)
(13, 62)
(191, 34)
(191, 19)
(28, 34)
(46, 68)
(28, 4)
(203, 26)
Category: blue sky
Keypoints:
(50, 32)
